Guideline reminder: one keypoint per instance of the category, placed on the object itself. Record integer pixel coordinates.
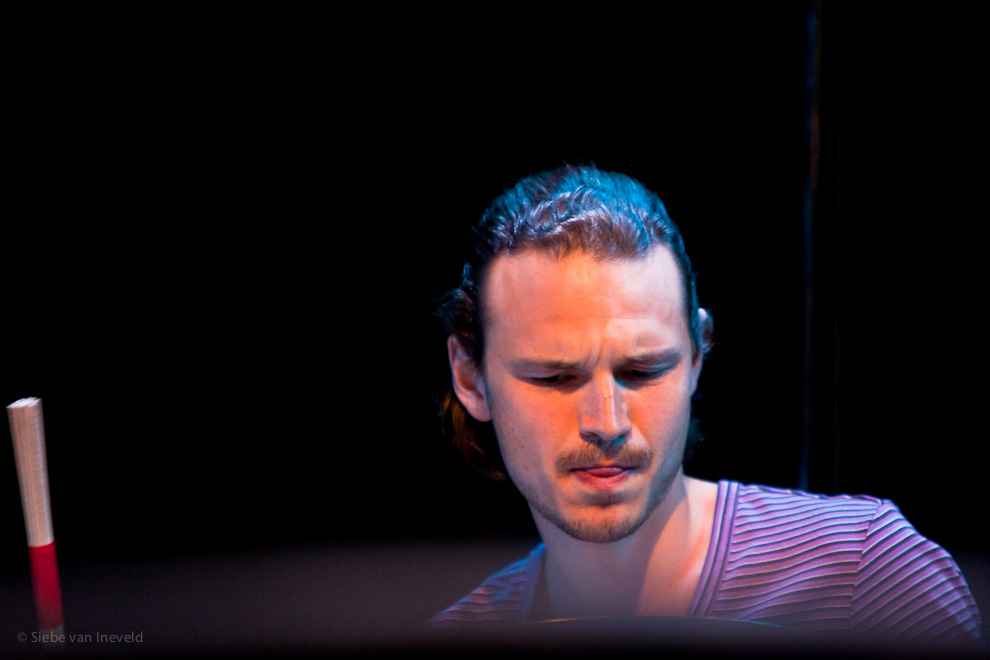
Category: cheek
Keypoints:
(528, 427)
(664, 415)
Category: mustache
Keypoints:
(622, 455)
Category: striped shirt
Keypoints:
(802, 561)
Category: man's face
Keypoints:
(588, 376)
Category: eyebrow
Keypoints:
(656, 357)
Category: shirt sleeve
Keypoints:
(909, 587)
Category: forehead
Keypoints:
(535, 294)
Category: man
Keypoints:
(576, 343)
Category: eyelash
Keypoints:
(551, 380)
(637, 375)
(648, 375)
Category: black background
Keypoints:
(222, 256)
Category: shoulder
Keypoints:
(909, 586)
(503, 597)
(798, 516)
(837, 561)
(766, 499)
(762, 524)
(799, 542)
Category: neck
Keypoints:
(653, 571)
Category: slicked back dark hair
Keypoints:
(562, 211)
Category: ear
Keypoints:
(469, 385)
(707, 328)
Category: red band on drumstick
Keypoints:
(47, 592)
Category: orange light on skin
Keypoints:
(587, 378)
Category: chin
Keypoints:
(610, 518)
(606, 529)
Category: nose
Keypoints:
(604, 419)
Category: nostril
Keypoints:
(603, 439)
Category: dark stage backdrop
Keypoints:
(220, 276)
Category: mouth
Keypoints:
(602, 476)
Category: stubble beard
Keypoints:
(611, 528)
(603, 525)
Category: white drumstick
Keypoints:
(27, 429)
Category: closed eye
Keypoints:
(630, 377)
(643, 375)
(549, 381)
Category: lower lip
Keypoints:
(602, 478)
